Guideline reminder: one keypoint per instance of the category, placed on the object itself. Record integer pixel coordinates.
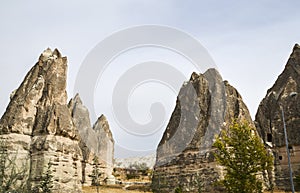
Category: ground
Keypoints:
(118, 189)
(114, 189)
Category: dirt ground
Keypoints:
(103, 189)
(120, 190)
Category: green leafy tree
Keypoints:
(297, 181)
(96, 174)
(13, 176)
(243, 155)
(46, 183)
(178, 190)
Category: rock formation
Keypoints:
(37, 124)
(283, 95)
(204, 106)
(105, 149)
(96, 141)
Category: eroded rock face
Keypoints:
(283, 94)
(105, 149)
(205, 105)
(96, 141)
(38, 124)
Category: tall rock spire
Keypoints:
(37, 122)
(94, 141)
(205, 105)
(285, 95)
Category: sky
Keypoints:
(249, 42)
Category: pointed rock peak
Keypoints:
(194, 76)
(102, 119)
(77, 99)
(296, 52)
(296, 47)
(56, 53)
(213, 73)
(43, 88)
(290, 73)
(102, 125)
(49, 54)
(231, 91)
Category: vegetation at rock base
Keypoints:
(96, 174)
(46, 183)
(297, 181)
(243, 155)
(138, 170)
(13, 178)
(178, 190)
(198, 182)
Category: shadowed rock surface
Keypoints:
(205, 105)
(96, 141)
(38, 125)
(283, 94)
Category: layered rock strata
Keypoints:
(94, 141)
(37, 124)
(282, 97)
(205, 105)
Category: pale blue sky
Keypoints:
(250, 41)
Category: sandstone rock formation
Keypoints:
(204, 106)
(283, 94)
(105, 149)
(96, 141)
(38, 125)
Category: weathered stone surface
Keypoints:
(205, 105)
(105, 149)
(96, 141)
(37, 123)
(283, 94)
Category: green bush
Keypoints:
(178, 190)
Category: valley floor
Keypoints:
(114, 189)
(119, 189)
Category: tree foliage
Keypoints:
(178, 190)
(46, 183)
(297, 181)
(13, 176)
(96, 174)
(243, 155)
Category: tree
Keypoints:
(96, 173)
(13, 176)
(178, 189)
(243, 155)
(297, 181)
(46, 183)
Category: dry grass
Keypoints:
(118, 189)
(110, 189)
